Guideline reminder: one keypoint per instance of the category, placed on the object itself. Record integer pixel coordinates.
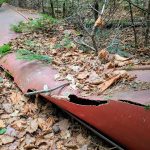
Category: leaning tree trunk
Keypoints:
(148, 25)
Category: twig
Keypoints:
(46, 91)
(83, 43)
(94, 9)
(129, 1)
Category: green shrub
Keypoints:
(4, 49)
(66, 42)
(44, 22)
(2, 1)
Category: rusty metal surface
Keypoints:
(142, 75)
(126, 123)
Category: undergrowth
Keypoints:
(29, 56)
(2, 1)
(4, 49)
(44, 22)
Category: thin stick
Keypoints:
(46, 91)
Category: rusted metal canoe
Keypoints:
(123, 119)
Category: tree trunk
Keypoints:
(148, 25)
(96, 7)
(133, 26)
(52, 9)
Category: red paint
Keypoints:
(125, 123)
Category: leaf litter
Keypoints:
(32, 125)
(85, 71)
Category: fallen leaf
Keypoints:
(120, 58)
(29, 109)
(83, 75)
(33, 126)
(94, 78)
(103, 55)
(122, 63)
(99, 22)
(7, 107)
(84, 147)
(110, 65)
(2, 124)
(14, 145)
(15, 97)
(45, 124)
(19, 125)
(81, 140)
(11, 131)
(108, 83)
(71, 144)
(75, 68)
(70, 77)
(65, 134)
(29, 139)
(64, 124)
(6, 139)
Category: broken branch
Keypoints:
(46, 91)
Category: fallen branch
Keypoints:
(84, 44)
(46, 91)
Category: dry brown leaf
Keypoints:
(103, 55)
(82, 75)
(19, 125)
(71, 144)
(110, 65)
(95, 79)
(15, 97)
(6, 139)
(81, 140)
(2, 124)
(65, 134)
(108, 83)
(122, 63)
(33, 126)
(63, 124)
(99, 22)
(45, 124)
(29, 109)
(120, 58)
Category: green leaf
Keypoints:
(1, 79)
(4, 49)
(2, 130)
